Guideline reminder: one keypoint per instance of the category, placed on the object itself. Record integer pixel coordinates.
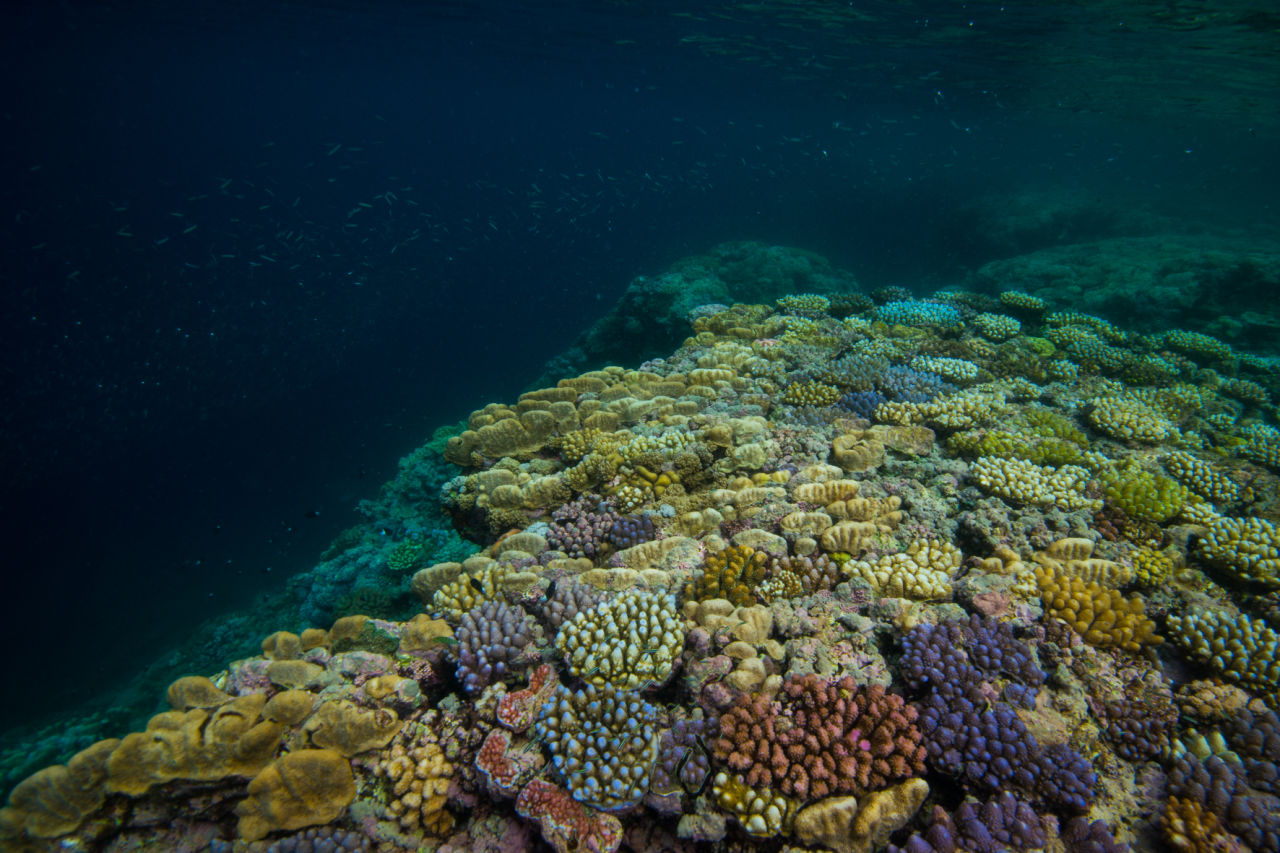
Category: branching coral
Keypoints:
(820, 738)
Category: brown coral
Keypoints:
(820, 738)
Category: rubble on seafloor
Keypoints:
(842, 572)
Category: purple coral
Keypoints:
(937, 656)
(1256, 737)
(1138, 729)
(581, 528)
(1080, 835)
(495, 640)
(1219, 786)
(630, 530)
(975, 737)
(682, 763)
(1001, 823)
(566, 598)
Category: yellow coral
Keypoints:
(418, 775)
(733, 573)
(1028, 483)
(1102, 616)
(923, 571)
(1128, 418)
(762, 813)
(469, 590)
(811, 394)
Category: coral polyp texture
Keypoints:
(843, 570)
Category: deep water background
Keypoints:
(253, 254)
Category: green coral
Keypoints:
(1042, 437)
(406, 556)
(1142, 495)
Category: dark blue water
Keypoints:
(252, 254)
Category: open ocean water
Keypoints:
(257, 255)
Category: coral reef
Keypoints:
(836, 569)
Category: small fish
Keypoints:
(334, 150)
(448, 641)
(476, 585)
(684, 759)
(551, 589)
(189, 229)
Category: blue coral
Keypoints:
(631, 530)
(906, 385)
(916, 312)
(603, 744)
(860, 403)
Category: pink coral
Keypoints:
(565, 823)
(507, 767)
(518, 710)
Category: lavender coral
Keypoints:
(495, 641)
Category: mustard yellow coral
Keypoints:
(733, 573)
(811, 394)
(1102, 616)
(418, 776)
(762, 813)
